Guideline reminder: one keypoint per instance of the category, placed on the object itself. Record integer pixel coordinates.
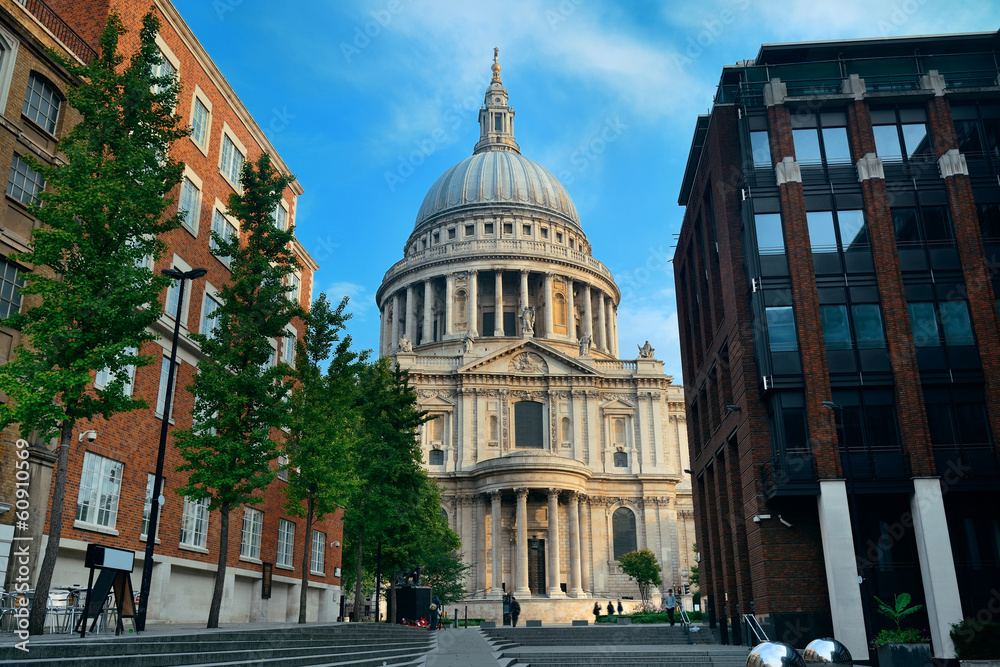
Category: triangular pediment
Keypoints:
(429, 399)
(617, 405)
(528, 357)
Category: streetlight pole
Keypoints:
(155, 499)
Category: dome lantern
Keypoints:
(496, 118)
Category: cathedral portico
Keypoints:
(554, 456)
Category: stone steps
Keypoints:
(593, 635)
(312, 646)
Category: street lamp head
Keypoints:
(177, 274)
(196, 273)
(732, 407)
(830, 405)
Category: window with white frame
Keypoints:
(41, 103)
(8, 56)
(201, 119)
(147, 507)
(231, 160)
(24, 183)
(174, 291)
(288, 346)
(225, 229)
(286, 542)
(316, 563)
(11, 283)
(104, 376)
(253, 520)
(163, 69)
(100, 486)
(190, 204)
(194, 523)
(282, 467)
(281, 216)
(295, 294)
(209, 319)
(161, 397)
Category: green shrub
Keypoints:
(975, 640)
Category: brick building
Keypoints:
(837, 280)
(110, 472)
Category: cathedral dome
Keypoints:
(497, 177)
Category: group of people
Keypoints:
(669, 602)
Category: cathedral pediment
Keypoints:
(429, 398)
(528, 357)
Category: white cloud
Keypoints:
(362, 301)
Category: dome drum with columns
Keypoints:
(554, 456)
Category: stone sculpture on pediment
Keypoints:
(646, 351)
(528, 362)
(405, 346)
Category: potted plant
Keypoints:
(902, 647)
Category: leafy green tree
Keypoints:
(642, 568)
(89, 297)
(386, 459)
(444, 571)
(240, 395)
(323, 422)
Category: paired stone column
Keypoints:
(602, 325)
(473, 302)
(555, 575)
(548, 305)
(614, 332)
(522, 543)
(497, 551)
(575, 586)
(411, 314)
(588, 314)
(498, 303)
(428, 333)
(523, 301)
(396, 319)
(449, 304)
(572, 310)
(584, 542)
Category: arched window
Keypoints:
(567, 432)
(494, 428)
(41, 103)
(623, 529)
(619, 434)
(435, 429)
(461, 310)
(436, 457)
(559, 312)
(621, 460)
(528, 427)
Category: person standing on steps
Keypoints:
(435, 610)
(515, 611)
(611, 609)
(619, 607)
(670, 602)
(597, 611)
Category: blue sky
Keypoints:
(369, 102)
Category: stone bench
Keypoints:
(581, 622)
(624, 621)
(532, 624)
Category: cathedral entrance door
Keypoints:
(536, 566)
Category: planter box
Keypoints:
(980, 663)
(904, 655)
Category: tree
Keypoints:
(89, 297)
(642, 568)
(240, 394)
(322, 423)
(386, 459)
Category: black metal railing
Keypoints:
(48, 18)
(789, 473)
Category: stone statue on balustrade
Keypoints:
(405, 346)
(468, 342)
(585, 345)
(528, 321)
(646, 351)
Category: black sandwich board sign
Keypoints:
(115, 566)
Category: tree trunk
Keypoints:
(220, 572)
(358, 600)
(392, 597)
(305, 561)
(36, 619)
(378, 580)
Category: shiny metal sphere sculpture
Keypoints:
(827, 649)
(774, 654)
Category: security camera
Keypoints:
(90, 435)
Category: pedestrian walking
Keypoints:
(670, 602)
(435, 611)
(597, 611)
(611, 609)
(515, 611)
(619, 607)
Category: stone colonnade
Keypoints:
(395, 323)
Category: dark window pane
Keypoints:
(836, 329)
(854, 434)
(760, 148)
(904, 221)
(916, 140)
(489, 318)
(955, 322)
(924, 324)
(937, 224)
(806, 145)
(794, 422)
(621, 460)
(528, 427)
(623, 528)
(973, 427)
(880, 423)
(868, 326)
(436, 457)
(968, 136)
(853, 232)
(887, 141)
(989, 220)
(939, 423)
(781, 329)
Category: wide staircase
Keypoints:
(357, 645)
(606, 644)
